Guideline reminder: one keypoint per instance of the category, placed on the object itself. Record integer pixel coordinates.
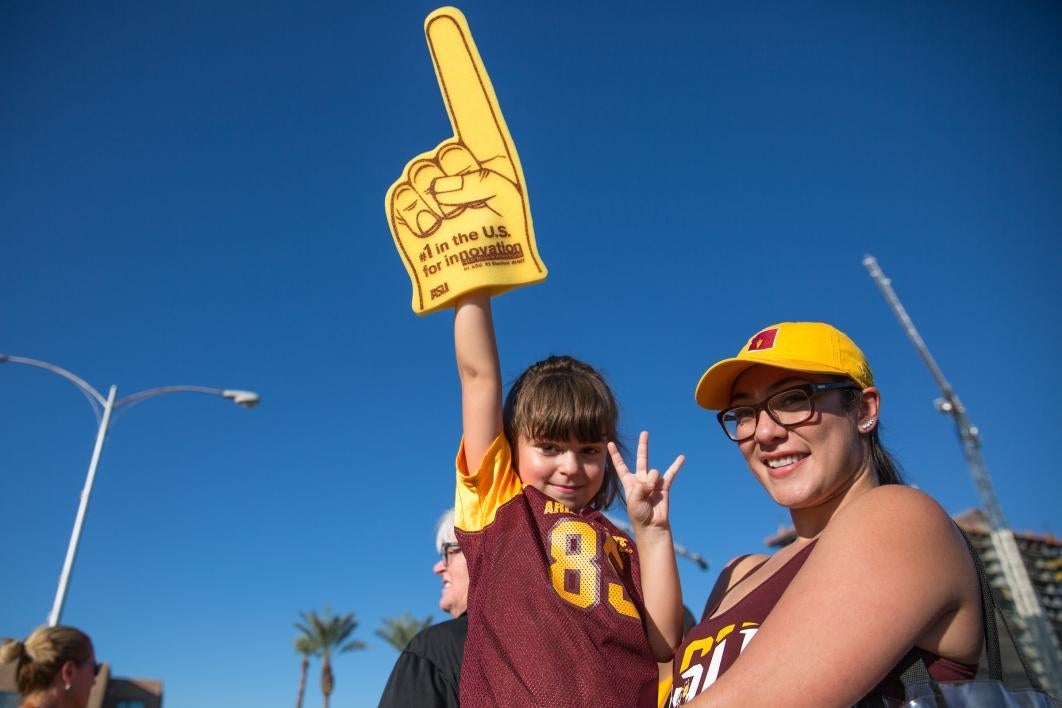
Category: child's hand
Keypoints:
(646, 489)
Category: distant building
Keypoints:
(1042, 554)
(108, 691)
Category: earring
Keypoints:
(866, 426)
(67, 687)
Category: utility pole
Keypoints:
(1035, 627)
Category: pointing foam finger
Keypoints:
(466, 88)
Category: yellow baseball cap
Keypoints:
(810, 347)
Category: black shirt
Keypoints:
(429, 670)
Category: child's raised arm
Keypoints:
(478, 368)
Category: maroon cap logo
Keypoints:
(763, 340)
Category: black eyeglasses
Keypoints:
(449, 549)
(789, 407)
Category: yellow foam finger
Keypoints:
(410, 211)
(422, 175)
(485, 239)
(454, 159)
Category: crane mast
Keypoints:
(1034, 623)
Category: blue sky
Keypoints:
(193, 194)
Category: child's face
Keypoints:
(569, 471)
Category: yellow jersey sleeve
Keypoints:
(481, 492)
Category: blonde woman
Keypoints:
(55, 667)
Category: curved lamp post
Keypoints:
(103, 408)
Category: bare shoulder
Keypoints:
(901, 538)
(894, 531)
(890, 512)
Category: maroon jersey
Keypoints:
(712, 646)
(554, 603)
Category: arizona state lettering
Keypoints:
(555, 507)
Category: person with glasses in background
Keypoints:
(878, 575)
(55, 667)
(428, 671)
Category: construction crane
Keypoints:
(1034, 623)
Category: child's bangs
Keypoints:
(563, 407)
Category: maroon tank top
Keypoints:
(714, 645)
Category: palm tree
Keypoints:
(326, 633)
(397, 631)
(304, 646)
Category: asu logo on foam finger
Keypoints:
(460, 214)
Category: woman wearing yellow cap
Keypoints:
(878, 574)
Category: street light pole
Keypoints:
(104, 408)
(82, 507)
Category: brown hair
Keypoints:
(880, 460)
(41, 656)
(559, 398)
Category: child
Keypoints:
(558, 611)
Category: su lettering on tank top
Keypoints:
(712, 646)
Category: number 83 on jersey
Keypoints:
(576, 570)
